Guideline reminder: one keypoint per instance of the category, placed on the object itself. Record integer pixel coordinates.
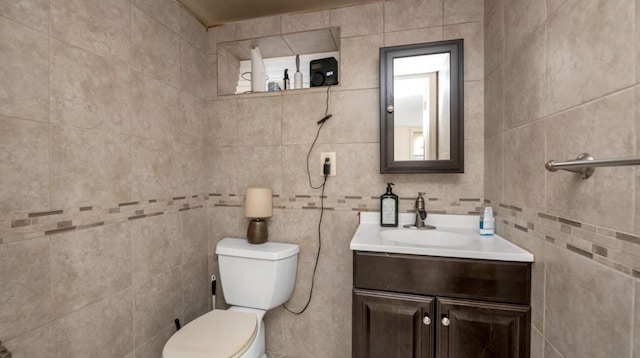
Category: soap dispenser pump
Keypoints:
(389, 208)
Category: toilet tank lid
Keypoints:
(267, 251)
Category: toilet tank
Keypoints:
(257, 276)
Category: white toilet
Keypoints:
(255, 279)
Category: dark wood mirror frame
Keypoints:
(456, 162)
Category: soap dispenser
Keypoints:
(389, 208)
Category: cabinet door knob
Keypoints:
(390, 108)
(426, 320)
(445, 321)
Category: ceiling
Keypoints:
(218, 12)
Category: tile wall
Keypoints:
(103, 223)
(263, 140)
(561, 79)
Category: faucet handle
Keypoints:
(420, 194)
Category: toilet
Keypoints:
(255, 279)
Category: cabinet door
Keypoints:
(481, 329)
(387, 325)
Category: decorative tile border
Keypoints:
(617, 250)
(16, 227)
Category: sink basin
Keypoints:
(426, 237)
(455, 236)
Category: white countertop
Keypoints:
(494, 247)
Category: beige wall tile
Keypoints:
(307, 335)
(24, 68)
(155, 169)
(259, 121)
(197, 287)
(89, 167)
(295, 180)
(524, 82)
(637, 47)
(34, 344)
(550, 351)
(26, 303)
(637, 218)
(343, 226)
(24, 164)
(155, 107)
(522, 18)
(474, 109)
(581, 291)
(273, 331)
(192, 168)
(156, 248)
(89, 91)
(537, 343)
(157, 302)
(100, 27)
(524, 166)
(357, 116)
(408, 37)
(223, 222)
(600, 127)
(89, 265)
(32, 13)
(222, 165)
(493, 168)
(153, 347)
(103, 329)
(408, 185)
(211, 77)
(575, 52)
(473, 47)
(494, 103)
(222, 125)
(218, 34)
(636, 329)
(553, 5)
(300, 114)
(469, 184)
(358, 20)
(192, 119)
(359, 62)
(155, 50)
(459, 11)
(262, 27)
(537, 247)
(167, 12)
(194, 234)
(360, 173)
(305, 21)
(412, 14)
(192, 70)
(494, 37)
(259, 166)
(302, 229)
(192, 30)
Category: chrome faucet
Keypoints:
(421, 211)
(421, 215)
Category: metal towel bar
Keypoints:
(585, 164)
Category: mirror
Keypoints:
(422, 108)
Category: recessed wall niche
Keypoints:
(279, 53)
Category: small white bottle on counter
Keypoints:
(487, 222)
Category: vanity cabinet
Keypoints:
(424, 306)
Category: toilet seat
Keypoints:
(217, 334)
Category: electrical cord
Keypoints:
(322, 186)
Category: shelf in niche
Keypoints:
(322, 42)
(321, 89)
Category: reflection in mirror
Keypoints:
(421, 108)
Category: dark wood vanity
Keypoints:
(425, 306)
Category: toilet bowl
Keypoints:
(255, 279)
